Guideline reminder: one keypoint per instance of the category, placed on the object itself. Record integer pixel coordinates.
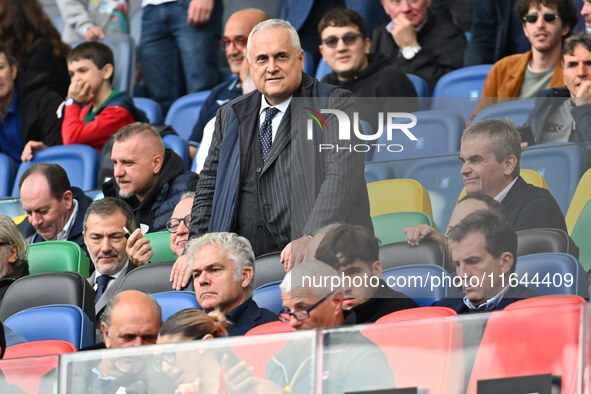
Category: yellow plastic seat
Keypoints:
(580, 198)
(398, 195)
(529, 176)
(19, 219)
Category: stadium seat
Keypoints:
(11, 207)
(39, 348)
(458, 91)
(580, 198)
(309, 66)
(58, 256)
(123, 49)
(401, 254)
(274, 327)
(551, 270)
(389, 227)
(530, 176)
(184, 112)
(135, 24)
(531, 341)
(179, 146)
(378, 172)
(79, 161)
(267, 269)
(545, 301)
(543, 240)
(420, 85)
(437, 133)
(61, 287)
(398, 195)
(269, 296)
(173, 301)
(561, 165)
(580, 235)
(160, 243)
(60, 321)
(417, 281)
(19, 219)
(150, 107)
(322, 70)
(6, 175)
(258, 350)
(516, 111)
(151, 278)
(426, 354)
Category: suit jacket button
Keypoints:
(260, 228)
(259, 169)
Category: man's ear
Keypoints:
(12, 254)
(157, 162)
(68, 198)
(506, 261)
(247, 274)
(105, 331)
(366, 45)
(107, 71)
(207, 336)
(510, 162)
(377, 268)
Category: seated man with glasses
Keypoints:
(524, 75)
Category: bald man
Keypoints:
(233, 43)
(148, 177)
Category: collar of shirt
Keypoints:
(499, 197)
(114, 276)
(390, 26)
(63, 235)
(282, 107)
(490, 304)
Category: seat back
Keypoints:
(420, 85)
(273, 327)
(183, 113)
(60, 322)
(79, 161)
(48, 288)
(26, 374)
(11, 207)
(552, 273)
(123, 49)
(427, 312)
(580, 198)
(543, 240)
(309, 65)
(269, 296)
(580, 235)
(378, 172)
(323, 69)
(150, 107)
(54, 256)
(545, 301)
(389, 227)
(402, 254)
(160, 243)
(437, 133)
(179, 146)
(516, 111)
(397, 195)
(39, 348)
(416, 281)
(151, 278)
(267, 269)
(6, 175)
(173, 301)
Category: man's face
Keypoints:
(136, 167)
(105, 240)
(7, 77)
(237, 31)
(542, 35)
(472, 260)
(45, 213)
(214, 280)
(132, 325)
(576, 68)
(586, 12)
(346, 60)
(84, 70)
(179, 238)
(413, 10)
(275, 65)
(481, 171)
(360, 273)
(324, 315)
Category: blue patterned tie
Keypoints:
(102, 282)
(267, 132)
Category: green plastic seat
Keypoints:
(389, 227)
(160, 243)
(581, 235)
(54, 256)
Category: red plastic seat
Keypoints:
(39, 348)
(270, 328)
(546, 301)
(417, 313)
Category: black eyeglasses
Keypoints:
(3, 243)
(349, 39)
(533, 18)
(173, 223)
(300, 314)
(239, 42)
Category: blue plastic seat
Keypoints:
(11, 207)
(323, 69)
(173, 301)
(59, 321)
(405, 280)
(552, 270)
(269, 296)
(378, 172)
(79, 161)
(309, 66)
(516, 111)
(150, 107)
(183, 113)
(467, 83)
(437, 133)
(6, 175)
(420, 85)
(179, 146)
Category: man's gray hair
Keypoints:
(188, 194)
(231, 246)
(10, 233)
(313, 279)
(269, 24)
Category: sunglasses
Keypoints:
(349, 39)
(239, 42)
(533, 18)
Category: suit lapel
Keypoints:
(111, 290)
(247, 113)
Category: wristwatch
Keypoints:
(69, 101)
(409, 52)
